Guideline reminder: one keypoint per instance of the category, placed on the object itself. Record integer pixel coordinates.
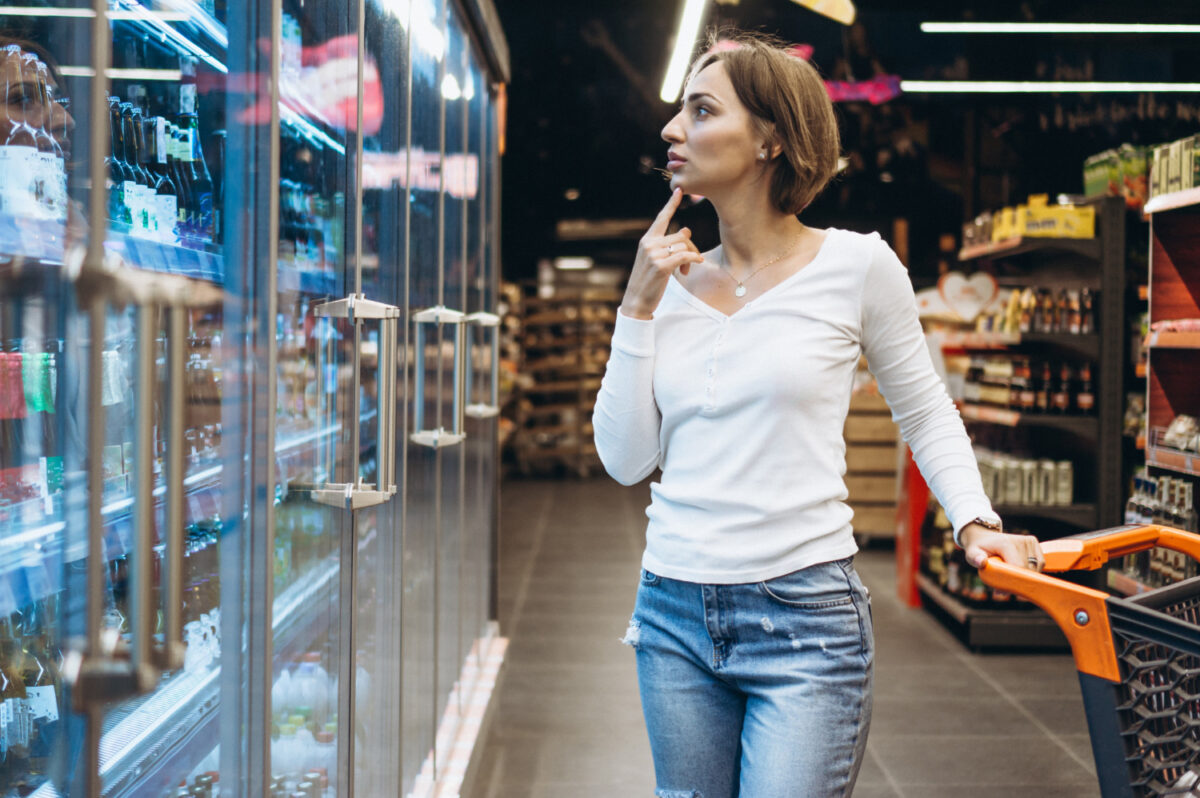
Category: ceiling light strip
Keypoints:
(1054, 27)
(1039, 87)
(685, 42)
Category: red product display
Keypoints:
(12, 387)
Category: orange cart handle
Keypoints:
(1081, 611)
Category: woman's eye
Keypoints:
(702, 110)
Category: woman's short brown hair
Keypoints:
(790, 106)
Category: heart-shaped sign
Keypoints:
(968, 296)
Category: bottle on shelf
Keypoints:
(1087, 318)
(52, 173)
(118, 171)
(1041, 397)
(135, 189)
(1060, 398)
(1085, 397)
(166, 194)
(200, 181)
(19, 154)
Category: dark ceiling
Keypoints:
(584, 113)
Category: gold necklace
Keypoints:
(740, 291)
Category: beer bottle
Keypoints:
(202, 185)
(118, 173)
(1060, 399)
(166, 195)
(1085, 399)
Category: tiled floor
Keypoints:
(568, 722)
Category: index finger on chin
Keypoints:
(659, 226)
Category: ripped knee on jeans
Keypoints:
(677, 794)
(633, 635)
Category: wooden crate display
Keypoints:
(566, 339)
(871, 465)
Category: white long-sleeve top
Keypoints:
(744, 414)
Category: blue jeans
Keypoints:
(758, 690)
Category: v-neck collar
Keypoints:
(720, 315)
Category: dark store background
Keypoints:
(584, 113)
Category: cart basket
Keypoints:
(1138, 657)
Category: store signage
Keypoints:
(959, 296)
(423, 170)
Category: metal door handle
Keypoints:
(491, 407)
(170, 655)
(438, 437)
(356, 494)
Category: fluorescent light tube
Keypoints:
(1053, 27)
(1037, 87)
(685, 42)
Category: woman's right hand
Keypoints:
(658, 256)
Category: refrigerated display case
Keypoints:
(248, 267)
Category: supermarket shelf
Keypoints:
(1125, 584)
(183, 710)
(30, 247)
(1173, 201)
(1169, 339)
(1077, 514)
(201, 501)
(1087, 345)
(565, 386)
(1173, 459)
(306, 281)
(1089, 247)
(1013, 418)
(1028, 628)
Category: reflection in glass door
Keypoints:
(426, 365)
(314, 430)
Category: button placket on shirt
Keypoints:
(710, 402)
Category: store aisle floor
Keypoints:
(568, 722)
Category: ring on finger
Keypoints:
(670, 248)
(1033, 562)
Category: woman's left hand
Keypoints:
(1022, 551)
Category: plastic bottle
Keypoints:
(19, 153)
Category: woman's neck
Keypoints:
(753, 230)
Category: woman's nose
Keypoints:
(672, 132)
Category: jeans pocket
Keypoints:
(817, 587)
(649, 579)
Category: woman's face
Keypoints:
(712, 138)
(22, 103)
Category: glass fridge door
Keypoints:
(35, 158)
(480, 483)
(430, 357)
(127, 441)
(376, 674)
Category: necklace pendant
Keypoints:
(740, 290)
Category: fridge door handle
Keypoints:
(170, 655)
(438, 437)
(358, 494)
(491, 407)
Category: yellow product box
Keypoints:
(1042, 220)
(1008, 223)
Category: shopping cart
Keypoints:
(1138, 658)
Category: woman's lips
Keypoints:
(675, 163)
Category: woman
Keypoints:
(732, 370)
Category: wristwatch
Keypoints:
(991, 522)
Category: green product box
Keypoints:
(1175, 166)
(1134, 184)
(1095, 173)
